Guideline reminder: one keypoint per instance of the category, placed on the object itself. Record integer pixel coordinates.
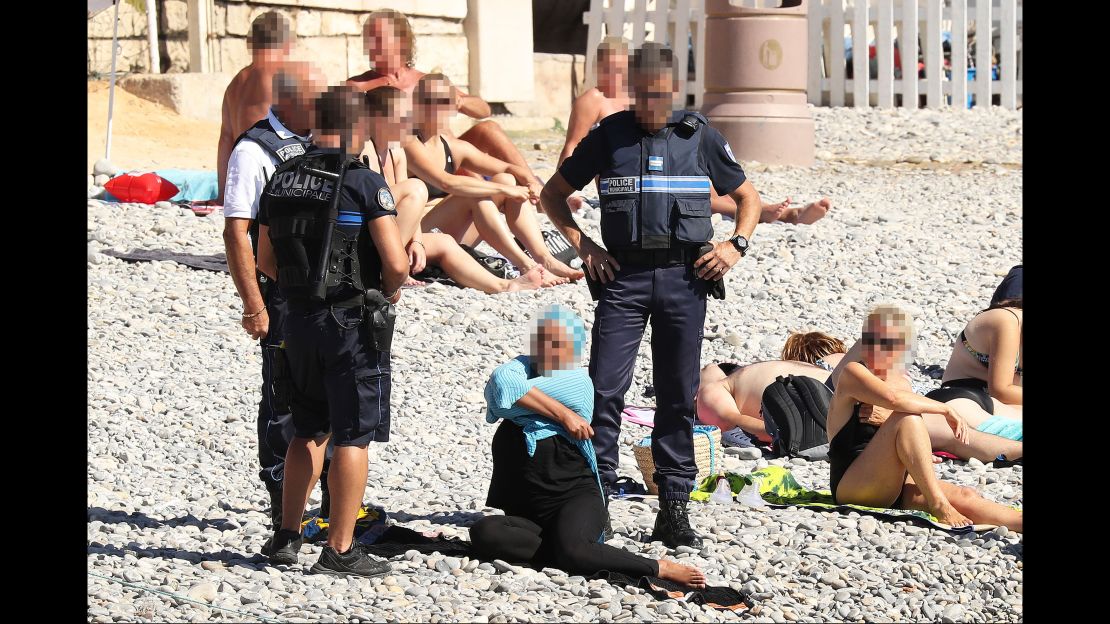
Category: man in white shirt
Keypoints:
(282, 135)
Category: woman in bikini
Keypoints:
(390, 122)
(466, 207)
(985, 365)
(880, 453)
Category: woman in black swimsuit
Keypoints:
(390, 122)
(880, 454)
(471, 207)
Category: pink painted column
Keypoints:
(755, 80)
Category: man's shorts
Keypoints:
(341, 384)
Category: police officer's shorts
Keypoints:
(341, 384)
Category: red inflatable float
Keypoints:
(144, 189)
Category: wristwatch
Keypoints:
(740, 243)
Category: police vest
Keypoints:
(321, 255)
(655, 192)
(282, 149)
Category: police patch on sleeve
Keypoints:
(728, 150)
(385, 199)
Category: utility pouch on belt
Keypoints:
(716, 287)
(381, 317)
(281, 378)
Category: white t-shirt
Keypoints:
(248, 169)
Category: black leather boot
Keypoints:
(672, 525)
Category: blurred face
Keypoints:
(384, 46)
(612, 74)
(436, 104)
(884, 345)
(553, 347)
(653, 98)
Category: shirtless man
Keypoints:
(391, 47)
(611, 96)
(248, 97)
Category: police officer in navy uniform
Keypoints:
(257, 152)
(655, 169)
(328, 233)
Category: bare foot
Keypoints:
(560, 269)
(945, 513)
(412, 282)
(528, 280)
(938, 460)
(814, 211)
(687, 575)
(550, 279)
(574, 202)
(774, 212)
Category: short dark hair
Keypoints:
(338, 109)
(652, 59)
(382, 101)
(269, 31)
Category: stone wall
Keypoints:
(329, 32)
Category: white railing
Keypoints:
(955, 78)
(835, 26)
(642, 20)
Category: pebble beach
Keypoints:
(927, 213)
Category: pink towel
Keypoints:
(644, 416)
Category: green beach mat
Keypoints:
(779, 488)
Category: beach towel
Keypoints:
(396, 541)
(369, 526)
(214, 262)
(193, 185)
(644, 416)
(779, 488)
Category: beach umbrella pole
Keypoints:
(112, 87)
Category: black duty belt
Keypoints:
(306, 305)
(656, 257)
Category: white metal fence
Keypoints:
(682, 21)
(968, 70)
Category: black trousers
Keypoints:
(567, 542)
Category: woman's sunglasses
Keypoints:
(871, 339)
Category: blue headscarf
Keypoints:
(570, 322)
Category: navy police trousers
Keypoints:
(673, 299)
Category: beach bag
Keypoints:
(795, 409)
(500, 267)
(147, 188)
(707, 456)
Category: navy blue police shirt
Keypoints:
(593, 155)
(365, 196)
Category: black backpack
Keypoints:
(794, 412)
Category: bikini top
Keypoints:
(984, 358)
(434, 192)
(381, 165)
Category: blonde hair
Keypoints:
(892, 314)
(401, 26)
(811, 346)
(612, 45)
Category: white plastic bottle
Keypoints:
(749, 496)
(723, 493)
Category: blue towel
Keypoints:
(194, 185)
(1001, 426)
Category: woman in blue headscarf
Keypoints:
(544, 469)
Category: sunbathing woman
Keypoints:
(544, 467)
(880, 454)
(391, 121)
(985, 441)
(470, 207)
(985, 365)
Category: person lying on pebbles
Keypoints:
(880, 453)
(730, 394)
(544, 469)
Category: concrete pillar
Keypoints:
(755, 80)
(199, 10)
(499, 35)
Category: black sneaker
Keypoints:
(283, 547)
(672, 525)
(354, 562)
